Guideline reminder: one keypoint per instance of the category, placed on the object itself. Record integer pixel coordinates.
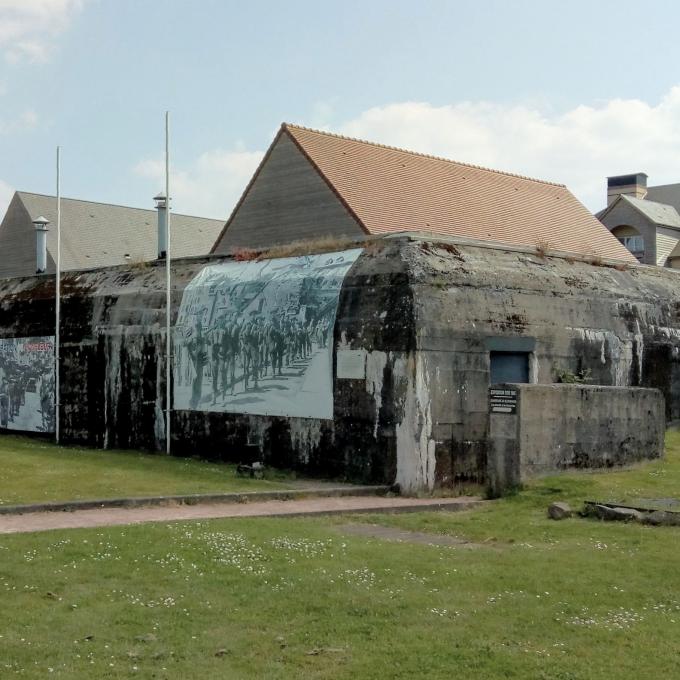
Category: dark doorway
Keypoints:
(509, 367)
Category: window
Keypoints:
(509, 367)
(636, 245)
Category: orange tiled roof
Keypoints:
(391, 190)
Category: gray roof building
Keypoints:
(94, 234)
(665, 193)
(660, 213)
(645, 219)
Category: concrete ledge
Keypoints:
(196, 499)
(434, 505)
(539, 429)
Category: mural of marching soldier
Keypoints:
(197, 352)
(231, 343)
(4, 399)
(277, 346)
(256, 336)
(216, 361)
(250, 351)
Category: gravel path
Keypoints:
(46, 521)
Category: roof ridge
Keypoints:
(647, 201)
(626, 197)
(115, 205)
(663, 186)
(291, 126)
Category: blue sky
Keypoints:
(565, 91)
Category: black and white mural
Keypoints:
(27, 384)
(256, 337)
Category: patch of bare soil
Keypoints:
(403, 536)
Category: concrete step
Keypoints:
(195, 499)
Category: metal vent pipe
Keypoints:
(40, 224)
(162, 207)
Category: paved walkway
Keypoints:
(46, 521)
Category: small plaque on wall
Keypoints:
(502, 401)
(351, 364)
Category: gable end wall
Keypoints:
(288, 201)
(17, 242)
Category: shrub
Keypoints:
(566, 376)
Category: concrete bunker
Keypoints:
(422, 327)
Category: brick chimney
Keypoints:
(634, 186)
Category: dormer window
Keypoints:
(631, 239)
(636, 245)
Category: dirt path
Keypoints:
(46, 521)
(404, 536)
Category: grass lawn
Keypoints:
(34, 471)
(298, 598)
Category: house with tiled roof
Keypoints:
(313, 184)
(644, 219)
(93, 234)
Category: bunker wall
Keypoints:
(613, 326)
(113, 369)
(556, 427)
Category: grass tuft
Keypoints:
(325, 244)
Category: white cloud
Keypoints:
(28, 27)
(579, 147)
(209, 186)
(26, 120)
(6, 193)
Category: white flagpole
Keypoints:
(57, 308)
(168, 301)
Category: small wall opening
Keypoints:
(509, 367)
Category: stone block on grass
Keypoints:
(559, 510)
(616, 514)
